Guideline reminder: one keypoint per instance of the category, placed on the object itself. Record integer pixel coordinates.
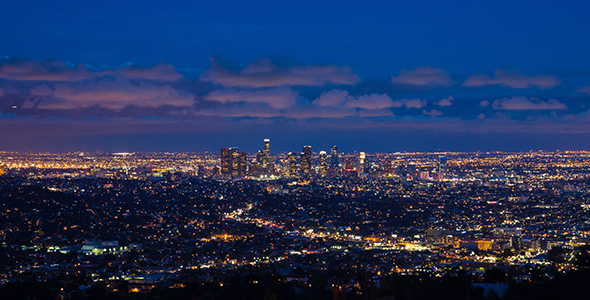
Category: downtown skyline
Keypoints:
(377, 78)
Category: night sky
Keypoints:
(376, 77)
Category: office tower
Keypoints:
(226, 159)
(243, 164)
(323, 165)
(233, 162)
(442, 168)
(349, 165)
(256, 165)
(267, 157)
(334, 157)
(306, 160)
(361, 163)
(292, 164)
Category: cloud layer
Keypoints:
(264, 73)
(513, 79)
(423, 76)
(522, 103)
(269, 92)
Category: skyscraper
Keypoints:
(323, 163)
(226, 160)
(306, 160)
(442, 168)
(233, 162)
(334, 157)
(266, 151)
(361, 163)
(292, 164)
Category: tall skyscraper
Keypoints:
(292, 164)
(226, 160)
(233, 162)
(361, 163)
(306, 160)
(334, 157)
(323, 164)
(442, 168)
(267, 156)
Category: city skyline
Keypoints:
(376, 77)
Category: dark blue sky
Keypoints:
(390, 76)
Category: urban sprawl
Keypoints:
(296, 225)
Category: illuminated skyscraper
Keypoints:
(266, 151)
(292, 164)
(334, 157)
(306, 160)
(442, 168)
(226, 160)
(233, 162)
(323, 165)
(361, 163)
(349, 167)
(243, 164)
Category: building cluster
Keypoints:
(152, 219)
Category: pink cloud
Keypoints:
(280, 97)
(426, 76)
(284, 102)
(110, 94)
(54, 70)
(337, 97)
(1, 92)
(264, 73)
(585, 89)
(414, 103)
(433, 112)
(446, 101)
(513, 79)
(484, 103)
(522, 103)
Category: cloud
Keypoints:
(522, 103)
(161, 72)
(484, 103)
(513, 79)
(338, 97)
(414, 103)
(445, 101)
(264, 73)
(433, 112)
(280, 97)
(21, 69)
(1, 92)
(109, 94)
(481, 116)
(284, 102)
(585, 89)
(424, 76)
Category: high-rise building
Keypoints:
(243, 164)
(306, 160)
(361, 163)
(334, 157)
(233, 162)
(323, 164)
(267, 157)
(226, 160)
(442, 168)
(292, 164)
(349, 165)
